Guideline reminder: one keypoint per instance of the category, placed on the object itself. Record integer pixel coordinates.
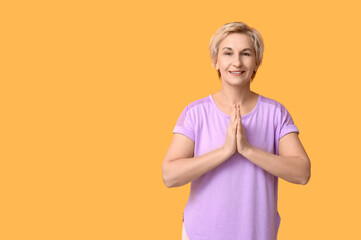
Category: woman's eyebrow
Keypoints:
(242, 50)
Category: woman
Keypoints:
(233, 146)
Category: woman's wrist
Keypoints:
(227, 152)
(246, 151)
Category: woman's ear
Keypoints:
(216, 65)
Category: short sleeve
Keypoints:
(287, 124)
(185, 124)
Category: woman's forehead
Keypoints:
(236, 41)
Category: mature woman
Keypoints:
(233, 146)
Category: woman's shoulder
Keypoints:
(274, 106)
(271, 103)
(200, 102)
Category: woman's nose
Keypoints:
(237, 61)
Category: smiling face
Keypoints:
(236, 59)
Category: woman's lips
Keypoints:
(236, 73)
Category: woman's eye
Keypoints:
(244, 54)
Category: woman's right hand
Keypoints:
(230, 145)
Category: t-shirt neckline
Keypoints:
(243, 116)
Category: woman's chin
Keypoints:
(236, 82)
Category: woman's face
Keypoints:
(236, 59)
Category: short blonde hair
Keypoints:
(236, 27)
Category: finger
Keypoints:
(239, 114)
(239, 119)
(239, 122)
(235, 112)
(235, 116)
(234, 127)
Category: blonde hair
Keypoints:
(236, 27)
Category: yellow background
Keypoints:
(91, 91)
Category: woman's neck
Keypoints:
(230, 95)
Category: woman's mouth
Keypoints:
(236, 73)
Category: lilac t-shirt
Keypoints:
(237, 200)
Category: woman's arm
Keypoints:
(292, 164)
(180, 167)
(180, 171)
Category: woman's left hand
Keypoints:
(242, 143)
